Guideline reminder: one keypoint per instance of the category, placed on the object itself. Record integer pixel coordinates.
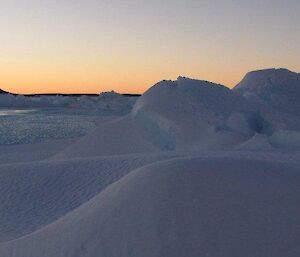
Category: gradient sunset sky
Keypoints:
(89, 46)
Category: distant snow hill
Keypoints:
(107, 101)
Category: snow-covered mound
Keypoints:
(188, 113)
(279, 88)
(276, 92)
(220, 207)
(182, 115)
(115, 101)
(110, 95)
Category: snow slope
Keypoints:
(227, 207)
(119, 136)
(36, 194)
(32, 152)
(191, 114)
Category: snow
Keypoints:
(61, 186)
(279, 88)
(185, 207)
(276, 92)
(220, 117)
(118, 136)
(108, 102)
(33, 151)
(190, 168)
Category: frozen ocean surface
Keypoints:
(24, 126)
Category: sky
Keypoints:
(90, 46)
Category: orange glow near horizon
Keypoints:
(85, 83)
(88, 82)
(94, 46)
(68, 81)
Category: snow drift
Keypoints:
(39, 193)
(119, 136)
(221, 207)
(189, 114)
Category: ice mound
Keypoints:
(276, 92)
(116, 102)
(110, 94)
(182, 115)
(278, 88)
(220, 207)
(188, 114)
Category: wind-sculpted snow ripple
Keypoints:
(220, 207)
(36, 194)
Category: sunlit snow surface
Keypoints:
(38, 125)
